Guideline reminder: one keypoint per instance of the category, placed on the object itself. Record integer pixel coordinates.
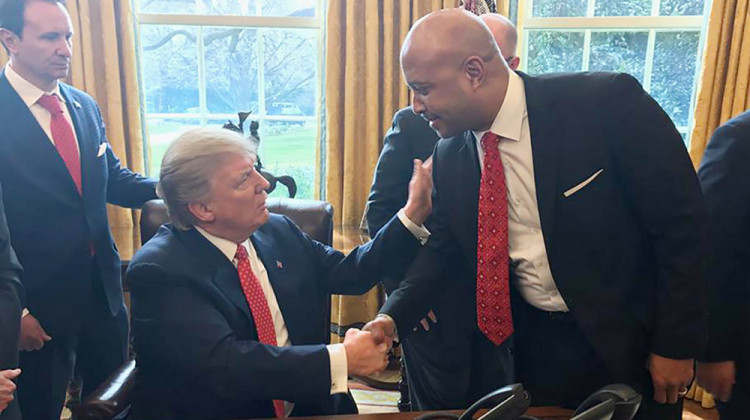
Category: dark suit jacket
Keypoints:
(725, 177)
(410, 137)
(54, 228)
(626, 251)
(195, 339)
(10, 306)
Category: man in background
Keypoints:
(724, 174)
(436, 380)
(10, 321)
(59, 172)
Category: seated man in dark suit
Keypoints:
(725, 178)
(231, 327)
(10, 321)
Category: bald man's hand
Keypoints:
(419, 205)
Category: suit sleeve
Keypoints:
(428, 276)
(389, 252)
(194, 337)
(390, 185)
(125, 188)
(10, 299)
(725, 178)
(659, 179)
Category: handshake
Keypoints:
(367, 349)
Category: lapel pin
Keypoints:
(279, 264)
(77, 104)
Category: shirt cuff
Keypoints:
(419, 232)
(25, 312)
(339, 371)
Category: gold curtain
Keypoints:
(723, 92)
(104, 66)
(363, 90)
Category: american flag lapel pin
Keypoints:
(279, 264)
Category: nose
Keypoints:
(65, 49)
(417, 105)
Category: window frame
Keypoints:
(653, 23)
(202, 21)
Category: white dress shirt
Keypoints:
(30, 95)
(528, 254)
(336, 352)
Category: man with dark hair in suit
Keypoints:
(59, 172)
(724, 174)
(574, 193)
(10, 321)
(230, 303)
(435, 380)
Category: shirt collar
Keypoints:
(29, 92)
(509, 119)
(227, 247)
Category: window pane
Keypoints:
(290, 71)
(302, 8)
(170, 68)
(555, 51)
(557, 8)
(674, 72)
(231, 70)
(623, 52)
(161, 132)
(288, 148)
(622, 8)
(681, 7)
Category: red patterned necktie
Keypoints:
(258, 307)
(63, 137)
(494, 316)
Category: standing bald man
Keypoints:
(437, 379)
(575, 194)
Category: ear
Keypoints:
(9, 39)
(514, 63)
(202, 212)
(474, 70)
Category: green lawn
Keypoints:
(291, 152)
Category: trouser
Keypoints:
(95, 348)
(559, 367)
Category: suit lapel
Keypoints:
(86, 147)
(31, 142)
(467, 205)
(545, 146)
(225, 277)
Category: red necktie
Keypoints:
(494, 316)
(258, 307)
(63, 137)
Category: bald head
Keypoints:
(455, 70)
(505, 35)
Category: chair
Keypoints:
(113, 397)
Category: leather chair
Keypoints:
(112, 398)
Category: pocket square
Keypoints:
(582, 184)
(102, 149)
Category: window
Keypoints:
(202, 61)
(656, 41)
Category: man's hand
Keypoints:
(383, 330)
(717, 378)
(424, 321)
(419, 204)
(33, 335)
(7, 386)
(671, 377)
(364, 356)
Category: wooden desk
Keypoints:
(547, 413)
